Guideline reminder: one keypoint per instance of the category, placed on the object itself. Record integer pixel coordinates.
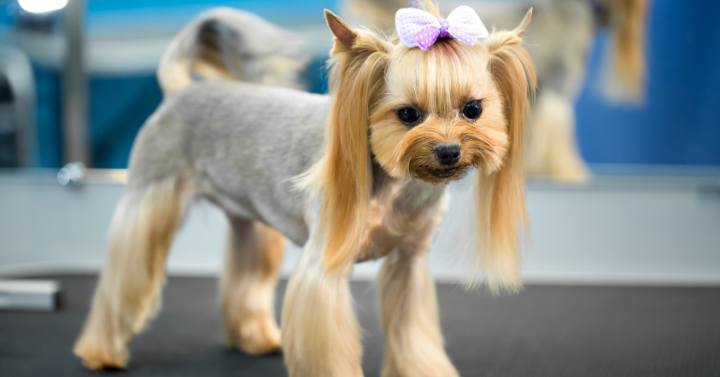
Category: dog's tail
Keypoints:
(225, 43)
(625, 67)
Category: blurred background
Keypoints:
(122, 41)
(624, 166)
(78, 79)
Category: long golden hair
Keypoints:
(501, 196)
(344, 174)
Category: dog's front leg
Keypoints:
(413, 338)
(319, 330)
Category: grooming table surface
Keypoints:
(556, 331)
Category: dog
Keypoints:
(359, 174)
(562, 36)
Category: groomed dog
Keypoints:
(358, 175)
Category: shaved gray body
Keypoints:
(239, 145)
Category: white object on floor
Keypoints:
(41, 295)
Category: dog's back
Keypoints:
(213, 136)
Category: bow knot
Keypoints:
(417, 28)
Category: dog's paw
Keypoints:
(257, 336)
(97, 352)
(99, 358)
(434, 366)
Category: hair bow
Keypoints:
(418, 28)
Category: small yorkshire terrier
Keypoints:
(356, 175)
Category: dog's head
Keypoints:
(440, 113)
(430, 115)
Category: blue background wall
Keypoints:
(679, 124)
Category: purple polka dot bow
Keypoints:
(417, 28)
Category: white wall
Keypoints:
(651, 230)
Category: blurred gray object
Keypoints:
(34, 34)
(72, 174)
(17, 109)
(37, 295)
(76, 145)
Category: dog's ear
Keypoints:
(342, 32)
(501, 194)
(344, 174)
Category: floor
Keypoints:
(552, 331)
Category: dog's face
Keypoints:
(441, 114)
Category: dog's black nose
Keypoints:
(447, 154)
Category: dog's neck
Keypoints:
(416, 196)
(409, 197)
(399, 208)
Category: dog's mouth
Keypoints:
(443, 173)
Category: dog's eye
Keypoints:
(409, 115)
(472, 109)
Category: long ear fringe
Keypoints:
(344, 174)
(501, 195)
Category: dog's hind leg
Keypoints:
(128, 292)
(254, 257)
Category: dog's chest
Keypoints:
(403, 217)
